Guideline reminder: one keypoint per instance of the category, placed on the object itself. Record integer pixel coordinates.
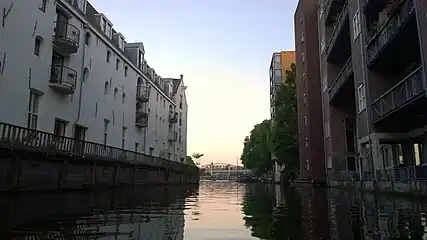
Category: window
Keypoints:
(117, 64)
(116, 92)
(361, 95)
(356, 25)
(33, 110)
(108, 55)
(305, 121)
(136, 147)
(329, 162)
(123, 98)
(85, 74)
(302, 57)
(126, 71)
(123, 136)
(277, 59)
(37, 45)
(304, 77)
(87, 39)
(106, 122)
(103, 24)
(306, 142)
(42, 5)
(305, 98)
(108, 30)
(308, 164)
(81, 4)
(151, 150)
(302, 37)
(140, 60)
(106, 87)
(322, 44)
(325, 80)
(59, 128)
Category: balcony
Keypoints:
(63, 79)
(331, 9)
(387, 32)
(142, 94)
(341, 80)
(66, 38)
(173, 136)
(402, 94)
(339, 28)
(141, 119)
(173, 117)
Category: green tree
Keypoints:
(190, 161)
(284, 131)
(256, 154)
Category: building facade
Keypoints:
(374, 88)
(309, 101)
(280, 63)
(67, 71)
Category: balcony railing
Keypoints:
(63, 79)
(173, 117)
(343, 76)
(388, 30)
(331, 9)
(403, 92)
(173, 136)
(341, 20)
(66, 37)
(142, 93)
(141, 119)
(20, 138)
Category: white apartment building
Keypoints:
(64, 69)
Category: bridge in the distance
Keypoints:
(225, 169)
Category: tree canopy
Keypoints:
(256, 153)
(284, 131)
(190, 161)
(277, 137)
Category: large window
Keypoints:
(106, 122)
(33, 110)
(356, 25)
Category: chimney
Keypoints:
(181, 76)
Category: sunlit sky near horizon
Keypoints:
(223, 48)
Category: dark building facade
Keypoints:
(311, 149)
(373, 77)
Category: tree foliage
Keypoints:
(284, 131)
(190, 161)
(277, 137)
(256, 154)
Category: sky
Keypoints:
(223, 48)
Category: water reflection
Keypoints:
(213, 210)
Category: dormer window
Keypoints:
(103, 24)
(108, 30)
(121, 43)
(81, 4)
(140, 60)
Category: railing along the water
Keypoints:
(16, 137)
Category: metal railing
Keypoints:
(173, 136)
(342, 77)
(142, 93)
(173, 117)
(63, 75)
(15, 137)
(65, 31)
(327, 9)
(141, 118)
(387, 31)
(404, 91)
(337, 28)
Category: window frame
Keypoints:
(33, 110)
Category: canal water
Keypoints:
(212, 210)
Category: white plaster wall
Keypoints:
(17, 41)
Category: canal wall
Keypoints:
(34, 160)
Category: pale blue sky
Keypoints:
(223, 49)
